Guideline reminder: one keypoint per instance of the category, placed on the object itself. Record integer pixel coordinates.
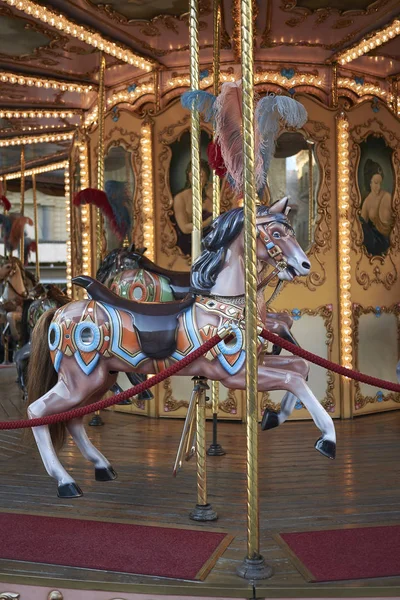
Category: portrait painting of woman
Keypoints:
(375, 173)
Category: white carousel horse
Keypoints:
(17, 284)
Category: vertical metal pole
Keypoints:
(253, 566)
(22, 209)
(310, 194)
(35, 219)
(100, 158)
(96, 421)
(334, 86)
(215, 448)
(203, 510)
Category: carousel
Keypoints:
(199, 242)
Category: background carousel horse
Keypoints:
(17, 283)
(41, 298)
(78, 350)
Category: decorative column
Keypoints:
(215, 448)
(36, 223)
(85, 208)
(253, 566)
(22, 208)
(203, 510)
(345, 308)
(334, 90)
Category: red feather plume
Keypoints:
(99, 199)
(5, 202)
(215, 159)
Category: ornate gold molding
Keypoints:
(171, 404)
(383, 268)
(359, 400)
(326, 312)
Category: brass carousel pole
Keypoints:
(203, 510)
(334, 94)
(35, 219)
(215, 448)
(22, 209)
(253, 566)
(97, 421)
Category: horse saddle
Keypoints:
(156, 323)
(179, 281)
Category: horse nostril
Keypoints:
(306, 265)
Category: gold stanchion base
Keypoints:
(96, 421)
(254, 568)
(203, 512)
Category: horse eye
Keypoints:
(276, 235)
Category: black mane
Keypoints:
(224, 230)
(119, 259)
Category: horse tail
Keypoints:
(42, 375)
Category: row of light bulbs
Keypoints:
(147, 187)
(39, 114)
(67, 190)
(79, 32)
(37, 139)
(85, 213)
(365, 46)
(141, 90)
(44, 82)
(344, 241)
(37, 170)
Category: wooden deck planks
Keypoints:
(299, 489)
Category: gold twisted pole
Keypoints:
(253, 566)
(35, 218)
(22, 209)
(202, 511)
(215, 449)
(100, 158)
(334, 86)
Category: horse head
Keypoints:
(277, 244)
(6, 267)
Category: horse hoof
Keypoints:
(326, 447)
(69, 490)
(105, 474)
(269, 420)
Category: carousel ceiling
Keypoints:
(49, 51)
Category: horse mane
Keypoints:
(224, 230)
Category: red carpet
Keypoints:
(348, 553)
(111, 546)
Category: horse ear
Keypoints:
(279, 207)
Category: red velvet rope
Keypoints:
(133, 391)
(327, 364)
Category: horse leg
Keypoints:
(285, 379)
(76, 429)
(65, 395)
(271, 418)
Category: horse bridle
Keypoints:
(7, 281)
(274, 252)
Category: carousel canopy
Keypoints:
(50, 56)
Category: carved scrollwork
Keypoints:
(329, 403)
(369, 269)
(359, 400)
(170, 403)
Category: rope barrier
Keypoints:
(181, 364)
(327, 364)
(101, 404)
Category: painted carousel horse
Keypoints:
(41, 298)
(78, 350)
(130, 274)
(17, 283)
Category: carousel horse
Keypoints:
(130, 274)
(78, 350)
(17, 283)
(42, 297)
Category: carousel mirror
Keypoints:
(119, 185)
(294, 172)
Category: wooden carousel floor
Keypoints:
(299, 489)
